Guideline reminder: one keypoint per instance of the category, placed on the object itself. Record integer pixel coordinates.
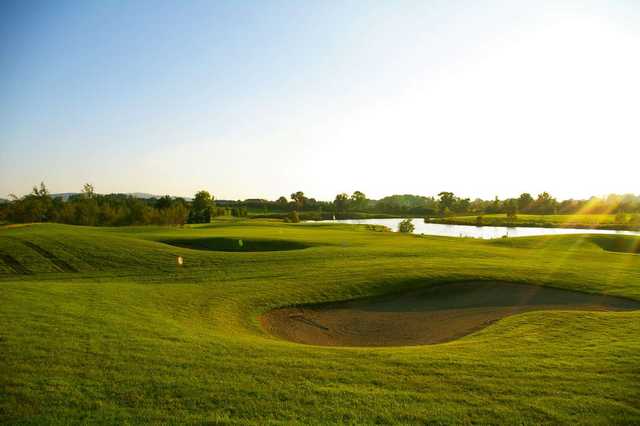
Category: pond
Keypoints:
(486, 232)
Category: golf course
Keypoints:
(257, 213)
(250, 321)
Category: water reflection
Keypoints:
(486, 232)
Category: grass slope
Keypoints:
(103, 326)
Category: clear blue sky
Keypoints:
(260, 99)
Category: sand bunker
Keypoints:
(236, 244)
(618, 243)
(436, 314)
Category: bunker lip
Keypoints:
(435, 314)
(618, 243)
(230, 244)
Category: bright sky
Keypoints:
(260, 99)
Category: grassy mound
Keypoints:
(113, 330)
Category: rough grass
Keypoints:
(129, 336)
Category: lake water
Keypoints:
(486, 232)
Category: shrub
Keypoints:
(406, 227)
(293, 217)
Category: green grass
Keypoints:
(597, 221)
(100, 325)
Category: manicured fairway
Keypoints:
(101, 325)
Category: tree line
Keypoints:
(90, 208)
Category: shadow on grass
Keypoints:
(236, 244)
(618, 243)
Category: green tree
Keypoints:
(239, 211)
(293, 217)
(407, 204)
(462, 205)
(88, 191)
(545, 204)
(446, 201)
(40, 203)
(298, 198)
(282, 203)
(202, 200)
(494, 206)
(621, 217)
(358, 200)
(201, 207)
(163, 203)
(524, 201)
(341, 202)
(177, 214)
(406, 226)
(87, 209)
(511, 208)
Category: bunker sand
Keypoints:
(435, 314)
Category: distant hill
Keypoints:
(64, 195)
(142, 195)
(222, 203)
(146, 196)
